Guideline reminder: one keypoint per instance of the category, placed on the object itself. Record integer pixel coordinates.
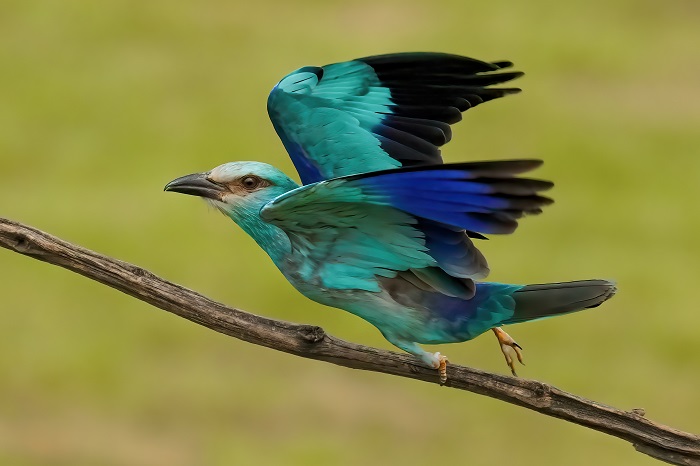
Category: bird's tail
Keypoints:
(534, 302)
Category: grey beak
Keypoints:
(196, 184)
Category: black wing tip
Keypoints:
(511, 90)
(502, 64)
(509, 167)
(513, 74)
(544, 185)
(391, 61)
(544, 201)
(396, 57)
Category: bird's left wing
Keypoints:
(353, 229)
(379, 112)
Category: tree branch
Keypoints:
(659, 441)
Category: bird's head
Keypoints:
(235, 187)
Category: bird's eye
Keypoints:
(251, 182)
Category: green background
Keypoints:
(103, 102)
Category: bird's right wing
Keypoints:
(379, 112)
(353, 229)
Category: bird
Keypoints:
(389, 246)
(381, 112)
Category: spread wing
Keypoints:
(353, 229)
(379, 112)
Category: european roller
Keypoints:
(381, 228)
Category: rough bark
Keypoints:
(659, 441)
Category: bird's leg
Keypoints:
(509, 346)
(434, 360)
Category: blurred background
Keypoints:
(102, 103)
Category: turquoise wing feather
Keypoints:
(380, 112)
(346, 244)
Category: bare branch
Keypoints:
(656, 440)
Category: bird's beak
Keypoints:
(196, 184)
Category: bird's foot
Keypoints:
(434, 360)
(439, 362)
(508, 347)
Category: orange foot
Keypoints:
(509, 346)
(440, 363)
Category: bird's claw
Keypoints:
(440, 363)
(509, 346)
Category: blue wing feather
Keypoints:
(453, 250)
(356, 228)
(460, 194)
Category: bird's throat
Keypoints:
(271, 238)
